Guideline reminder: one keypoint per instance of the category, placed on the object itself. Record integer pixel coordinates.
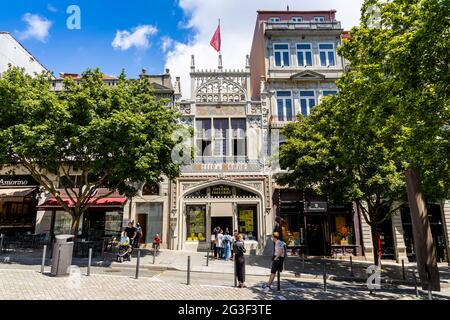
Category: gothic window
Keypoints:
(150, 189)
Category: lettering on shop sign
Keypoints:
(316, 206)
(221, 191)
(17, 181)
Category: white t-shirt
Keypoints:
(219, 240)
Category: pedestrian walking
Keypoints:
(131, 233)
(214, 241)
(220, 244)
(226, 240)
(239, 259)
(138, 237)
(279, 253)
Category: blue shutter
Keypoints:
(304, 107)
(280, 110)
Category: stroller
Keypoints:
(124, 250)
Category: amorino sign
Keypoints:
(17, 181)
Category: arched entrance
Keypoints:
(231, 205)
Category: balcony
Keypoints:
(279, 123)
(221, 164)
(280, 28)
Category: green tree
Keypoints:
(391, 115)
(111, 137)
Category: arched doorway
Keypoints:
(232, 206)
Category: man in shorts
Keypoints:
(279, 253)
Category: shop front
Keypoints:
(309, 225)
(232, 206)
(103, 218)
(18, 201)
(434, 212)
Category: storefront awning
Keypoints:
(113, 200)
(15, 194)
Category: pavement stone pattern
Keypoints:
(20, 284)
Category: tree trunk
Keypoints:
(423, 239)
(373, 229)
(76, 215)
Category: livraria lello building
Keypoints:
(237, 116)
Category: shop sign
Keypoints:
(17, 181)
(221, 191)
(316, 207)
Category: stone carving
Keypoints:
(186, 121)
(254, 121)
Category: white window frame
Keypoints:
(323, 90)
(284, 98)
(326, 54)
(297, 19)
(308, 107)
(288, 50)
(319, 19)
(274, 19)
(297, 50)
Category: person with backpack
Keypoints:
(277, 260)
(239, 260)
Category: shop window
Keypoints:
(63, 223)
(150, 189)
(292, 223)
(341, 228)
(247, 222)
(113, 223)
(196, 223)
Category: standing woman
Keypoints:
(239, 260)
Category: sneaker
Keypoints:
(264, 285)
(267, 289)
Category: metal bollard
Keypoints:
(138, 260)
(430, 293)
(44, 253)
(278, 281)
(324, 277)
(235, 273)
(154, 254)
(351, 268)
(1, 243)
(303, 261)
(189, 270)
(403, 270)
(415, 283)
(207, 258)
(89, 262)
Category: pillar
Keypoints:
(399, 240)
(446, 223)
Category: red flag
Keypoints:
(216, 40)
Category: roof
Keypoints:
(296, 12)
(77, 76)
(23, 47)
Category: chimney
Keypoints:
(192, 63)
(220, 62)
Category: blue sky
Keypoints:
(129, 34)
(74, 50)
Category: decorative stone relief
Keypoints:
(254, 121)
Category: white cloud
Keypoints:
(167, 43)
(124, 40)
(37, 28)
(237, 23)
(51, 8)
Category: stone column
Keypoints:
(367, 239)
(399, 240)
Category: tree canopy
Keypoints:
(109, 136)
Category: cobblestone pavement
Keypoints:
(29, 284)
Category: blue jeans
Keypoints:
(227, 251)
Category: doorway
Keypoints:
(142, 220)
(315, 235)
(223, 222)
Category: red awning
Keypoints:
(115, 200)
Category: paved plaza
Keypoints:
(20, 279)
